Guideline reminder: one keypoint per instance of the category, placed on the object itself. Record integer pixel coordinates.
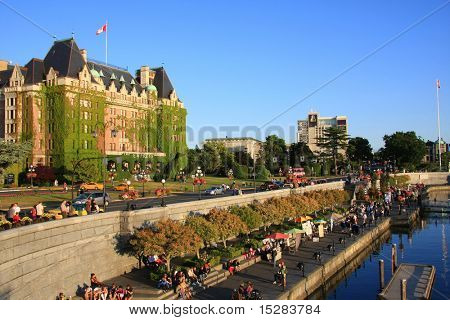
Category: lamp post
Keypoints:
(142, 174)
(112, 173)
(182, 178)
(104, 125)
(31, 171)
(199, 176)
(163, 202)
(193, 182)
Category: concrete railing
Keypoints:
(427, 178)
(38, 261)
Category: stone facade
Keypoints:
(41, 260)
(61, 101)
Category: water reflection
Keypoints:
(427, 243)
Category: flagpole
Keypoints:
(438, 85)
(106, 43)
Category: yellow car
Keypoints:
(123, 187)
(91, 186)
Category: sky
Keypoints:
(236, 65)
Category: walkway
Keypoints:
(262, 274)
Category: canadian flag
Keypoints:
(102, 29)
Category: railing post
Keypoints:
(381, 269)
(394, 257)
(403, 289)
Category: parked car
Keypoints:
(97, 196)
(268, 186)
(91, 186)
(213, 191)
(123, 187)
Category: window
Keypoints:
(39, 114)
(41, 144)
(85, 128)
(85, 144)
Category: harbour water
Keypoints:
(427, 243)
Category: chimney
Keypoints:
(145, 76)
(84, 54)
(3, 65)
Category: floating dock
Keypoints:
(419, 282)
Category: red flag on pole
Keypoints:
(438, 84)
(102, 29)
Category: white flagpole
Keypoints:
(439, 124)
(106, 42)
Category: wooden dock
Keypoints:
(419, 282)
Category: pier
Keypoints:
(410, 282)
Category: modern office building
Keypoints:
(311, 129)
(71, 106)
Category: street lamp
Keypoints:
(199, 176)
(163, 203)
(31, 171)
(104, 125)
(230, 174)
(142, 177)
(182, 178)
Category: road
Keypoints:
(150, 202)
(177, 198)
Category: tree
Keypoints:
(243, 158)
(299, 154)
(333, 140)
(167, 237)
(405, 148)
(203, 228)
(228, 225)
(11, 153)
(250, 217)
(275, 153)
(359, 150)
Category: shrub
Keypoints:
(157, 274)
(232, 252)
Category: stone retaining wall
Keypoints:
(428, 178)
(38, 261)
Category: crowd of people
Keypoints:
(100, 291)
(181, 281)
(246, 291)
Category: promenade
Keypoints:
(262, 274)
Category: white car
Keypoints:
(213, 191)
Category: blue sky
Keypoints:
(240, 63)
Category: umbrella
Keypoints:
(303, 219)
(294, 231)
(277, 236)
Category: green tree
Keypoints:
(333, 140)
(275, 153)
(250, 217)
(167, 237)
(228, 225)
(11, 153)
(359, 150)
(299, 154)
(206, 230)
(405, 147)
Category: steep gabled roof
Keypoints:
(119, 74)
(5, 75)
(162, 83)
(65, 57)
(35, 71)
